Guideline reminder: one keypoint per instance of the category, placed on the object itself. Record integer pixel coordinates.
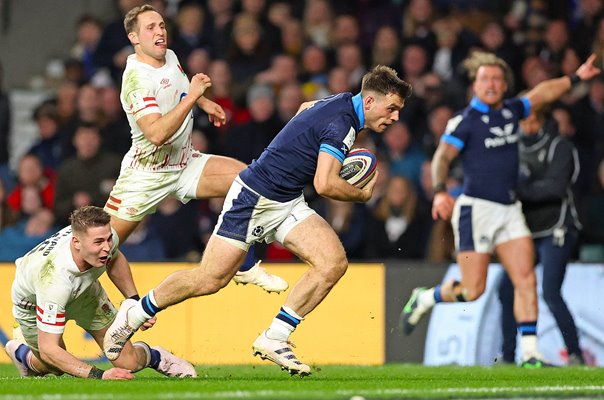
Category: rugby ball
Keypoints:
(358, 167)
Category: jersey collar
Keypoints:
(357, 103)
(479, 105)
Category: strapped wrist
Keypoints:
(439, 188)
(135, 297)
(574, 79)
(96, 373)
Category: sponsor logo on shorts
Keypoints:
(258, 231)
(106, 309)
(131, 210)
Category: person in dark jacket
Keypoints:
(549, 166)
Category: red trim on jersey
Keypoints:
(58, 323)
(147, 106)
(112, 207)
(41, 311)
(116, 201)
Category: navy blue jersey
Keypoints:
(290, 160)
(488, 142)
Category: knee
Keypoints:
(525, 280)
(474, 292)
(204, 283)
(334, 269)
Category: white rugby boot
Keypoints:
(259, 277)
(119, 332)
(173, 366)
(11, 348)
(280, 353)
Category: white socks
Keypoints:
(528, 344)
(426, 299)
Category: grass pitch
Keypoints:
(393, 381)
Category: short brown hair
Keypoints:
(481, 58)
(88, 216)
(384, 80)
(131, 19)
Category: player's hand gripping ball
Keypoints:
(358, 167)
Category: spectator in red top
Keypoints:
(31, 174)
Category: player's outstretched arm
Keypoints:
(550, 90)
(328, 183)
(60, 359)
(216, 114)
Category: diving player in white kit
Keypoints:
(57, 281)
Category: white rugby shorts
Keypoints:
(92, 311)
(480, 225)
(249, 217)
(137, 193)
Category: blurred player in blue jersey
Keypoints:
(266, 203)
(487, 217)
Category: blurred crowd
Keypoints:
(265, 57)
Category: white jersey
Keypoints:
(48, 281)
(148, 90)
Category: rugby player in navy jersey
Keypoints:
(487, 217)
(266, 203)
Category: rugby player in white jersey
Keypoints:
(57, 281)
(158, 100)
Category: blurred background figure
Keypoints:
(400, 223)
(49, 145)
(32, 177)
(8, 216)
(88, 33)
(87, 178)
(176, 226)
(35, 224)
(245, 142)
(5, 133)
(192, 31)
(405, 156)
(114, 47)
(549, 166)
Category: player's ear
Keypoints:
(76, 242)
(133, 38)
(368, 101)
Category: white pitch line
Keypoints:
(248, 394)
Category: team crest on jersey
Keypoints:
(258, 231)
